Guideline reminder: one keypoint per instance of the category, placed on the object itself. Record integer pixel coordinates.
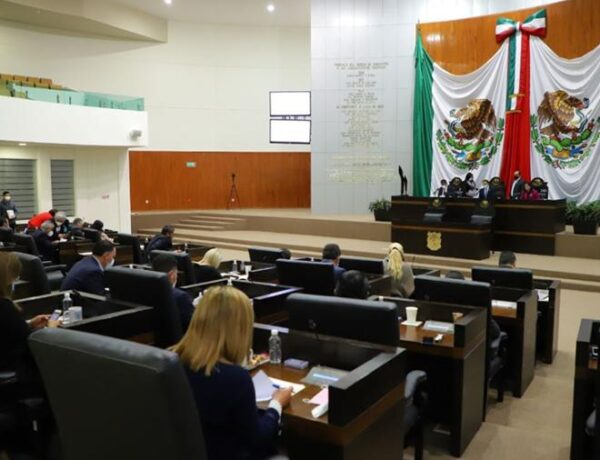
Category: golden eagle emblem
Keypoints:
(472, 135)
(434, 241)
(561, 131)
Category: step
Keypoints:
(197, 226)
(217, 218)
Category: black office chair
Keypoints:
(131, 240)
(314, 277)
(149, 288)
(541, 186)
(26, 243)
(42, 278)
(118, 400)
(184, 266)
(6, 235)
(92, 234)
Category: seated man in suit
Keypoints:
(331, 255)
(87, 275)
(76, 229)
(166, 263)
(352, 284)
(44, 241)
(507, 259)
(162, 242)
(442, 190)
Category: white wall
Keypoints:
(101, 180)
(206, 89)
(355, 30)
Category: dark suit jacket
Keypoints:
(44, 245)
(4, 207)
(484, 193)
(337, 270)
(159, 243)
(518, 188)
(185, 306)
(87, 276)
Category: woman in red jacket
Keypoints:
(529, 193)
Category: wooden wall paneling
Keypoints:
(162, 180)
(463, 46)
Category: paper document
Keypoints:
(264, 387)
(504, 304)
(10, 213)
(439, 326)
(543, 295)
(321, 397)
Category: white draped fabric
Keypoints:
(565, 116)
(468, 121)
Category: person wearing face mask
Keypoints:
(62, 226)
(87, 275)
(8, 209)
(517, 186)
(166, 263)
(44, 240)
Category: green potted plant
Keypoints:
(584, 217)
(381, 209)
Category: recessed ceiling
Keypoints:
(242, 12)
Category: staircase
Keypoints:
(185, 228)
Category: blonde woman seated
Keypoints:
(208, 268)
(403, 280)
(212, 350)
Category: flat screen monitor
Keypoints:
(504, 277)
(289, 132)
(362, 264)
(364, 320)
(461, 292)
(289, 103)
(265, 255)
(313, 277)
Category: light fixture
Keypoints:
(168, 2)
(22, 144)
(270, 7)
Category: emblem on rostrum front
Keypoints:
(434, 241)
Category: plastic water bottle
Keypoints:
(66, 304)
(234, 266)
(275, 347)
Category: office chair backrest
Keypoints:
(265, 255)
(362, 264)
(446, 290)
(33, 271)
(130, 240)
(149, 288)
(184, 265)
(364, 320)
(514, 278)
(91, 234)
(115, 399)
(6, 235)
(27, 243)
(314, 277)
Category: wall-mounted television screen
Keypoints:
(289, 103)
(290, 132)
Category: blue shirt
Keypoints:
(233, 427)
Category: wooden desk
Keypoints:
(365, 407)
(520, 325)
(461, 240)
(456, 367)
(268, 299)
(586, 391)
(547, 325)
(520, 226)
(113, 318)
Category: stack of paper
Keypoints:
(264, 387)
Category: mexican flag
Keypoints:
(564, 122)
(458, 121)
